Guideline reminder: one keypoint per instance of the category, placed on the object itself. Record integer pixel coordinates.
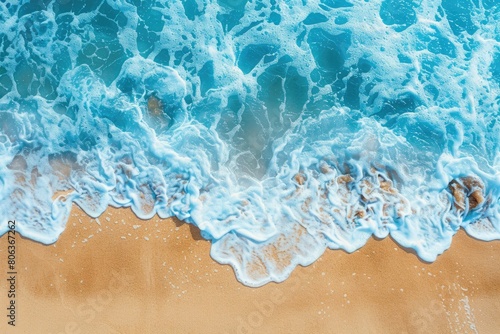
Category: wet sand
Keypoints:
(119, 274)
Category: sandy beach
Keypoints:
(278, 128)
(120, 274)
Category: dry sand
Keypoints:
(109, 276)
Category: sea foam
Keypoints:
(279, 129)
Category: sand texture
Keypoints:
(120, 274)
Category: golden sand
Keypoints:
(119, 274)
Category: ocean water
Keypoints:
(279, 128)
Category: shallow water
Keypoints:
(280, 129)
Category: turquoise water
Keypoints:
(279, 128)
